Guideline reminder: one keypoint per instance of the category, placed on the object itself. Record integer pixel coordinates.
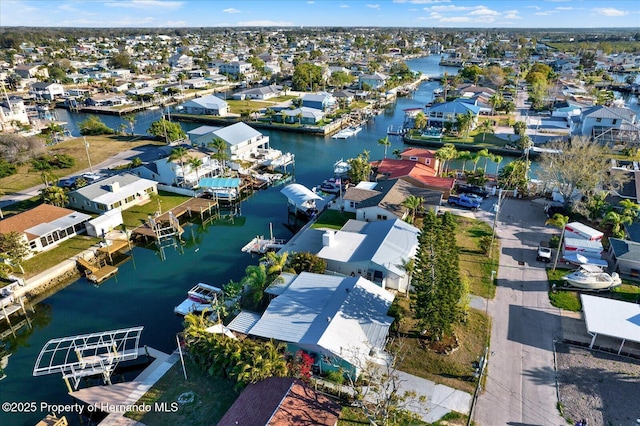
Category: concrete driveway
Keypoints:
(520, 386)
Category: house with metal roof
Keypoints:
(302, 115)
(321, 101)
(180, 172)
(607, 124)
(261, 93)
(117, 192)
(45, 226)
(341, 321)
(446, 112)
(206, 105)
(244, 143)
(625, 255)
(374, 81)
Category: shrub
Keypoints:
(335, 377)
(554, 241)
(94, 126)
(485, 244)
(6, 169)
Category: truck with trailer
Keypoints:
(580, 230)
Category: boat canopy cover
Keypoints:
(299, 194)
(219, 182)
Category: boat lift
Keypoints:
(86, 355)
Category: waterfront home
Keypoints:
(202, 136)
(260, 93)
(206, 105)
(48, 91)
(28, 71)
(423, 156)
(245, 144)
(236, 68)
(12, 113)
(607, 125)
(340, 321)
(281, 401)
(180, 172)
(195, 83)
(373, 81)
(320, 101)
(446, 112)
(302, 115)
(106, 100)
(416, 173)
(45, 226)
(117, 192)
(179, 60)
(382, 200)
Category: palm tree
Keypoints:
(55, 196)
(486, 127)
(276, 263)
(48, 177)
(299, 117)
(397, 153)
(179, 153)
(408, 265)
(221, 151)
(420, 121)
(495, 100)
(195, 163)
(445, 154)
(384, 141)
(413, 204)
(464, 156)
(617, 221)
(131, 119)
(629, 209)
(256, 279)
(475, 159)
(559, 221)
(497, 159)
(464, 122)
(484, 153)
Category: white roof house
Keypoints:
(206, 105)
(612, 318)
(375, 250)
(243, 141)
(341, 319)
(117, 192)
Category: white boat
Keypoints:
(341, 168)
(580, 259)
(347, 132)
(222, 193)
(200, 297)
(591, 277)
(331, 186)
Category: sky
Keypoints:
(308, 13)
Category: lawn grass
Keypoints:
(475, 266)
(627, 292)
(563, 299)
(21, 206)
(237, 106)
(333, 219)
(65, 250)
(456, 369)
(138, 215)
(101, 148)
(213, 397)
(354, 416)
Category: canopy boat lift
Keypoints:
(86, 355)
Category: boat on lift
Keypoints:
(201, 296)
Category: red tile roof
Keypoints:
(44, 213)
(281, 401)
(419, 152)
(417, 171)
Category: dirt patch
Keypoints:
(600, 387)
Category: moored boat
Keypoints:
(200, 297)
(591, 277)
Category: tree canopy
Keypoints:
(307, 76)
(167, 130)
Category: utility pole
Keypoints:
(86, 147)
(496, 209)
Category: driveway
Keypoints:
(520, 386)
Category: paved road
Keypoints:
(520, 385)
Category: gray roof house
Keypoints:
(608, 124)
(304, 115)
(117, 192)
(625, 255)
(206, 105)
(343, 321)
(243, 141)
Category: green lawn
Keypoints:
(138, 215)
(475, 266)
(212, 398)
(627, 292)
(48, 259)
(333, 219)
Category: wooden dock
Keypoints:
(200, 206)
(99, 273)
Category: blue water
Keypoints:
(146, 288)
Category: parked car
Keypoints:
(463, 201)
(91, 177)
(68, 183)
(552, 209)
(473, 189)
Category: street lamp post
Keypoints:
(496, 209)
(86, 147)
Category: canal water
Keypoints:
(147, 287)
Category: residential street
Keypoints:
(520, 386)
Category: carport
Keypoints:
(612, 318)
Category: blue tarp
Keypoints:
(219, 183)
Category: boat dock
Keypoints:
(97, 273)
(261, 245)
(10, 304)
(166, 224)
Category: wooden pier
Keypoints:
(97, 273)
(166, 224)
(11, 304)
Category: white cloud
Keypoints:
(146, 4)
(511, 14)
(311, 2)
(484, 12)
(609, 11)
(174, 24)
(456, 19)
(533, 7)
(422, 1)
(264, 23)
(373, 6)
(450, 8)
(565, 8)
(230, 10)
(547, 13)
(344, 6)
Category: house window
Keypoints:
(70, 230)
(427, 161)
(101, 206)
(598, 120)
(352, 204)
(32, 244)
(413, 158)
(382, 217)
(73, 199)
(43, 241)
(615, 121)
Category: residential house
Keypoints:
(48, 91)
(244, 143)
(302, 115)
(117, 192)
(341, 321)
(281, 401)
(446, 112)
(45, 226)
(177, 172)
(179, 60)
(625, 255)
(12, 112)
(27, 71)
(607, 124)
(373, 81)
(121, 73)
(202, 136)
(382, 200)
(236, 68)
(423, 156)
(206, 105)
(260, 93)
(106, 100)
(417, 173)
(321, 101)
(344, 96)
(195, 83)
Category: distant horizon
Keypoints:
(442, 14)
